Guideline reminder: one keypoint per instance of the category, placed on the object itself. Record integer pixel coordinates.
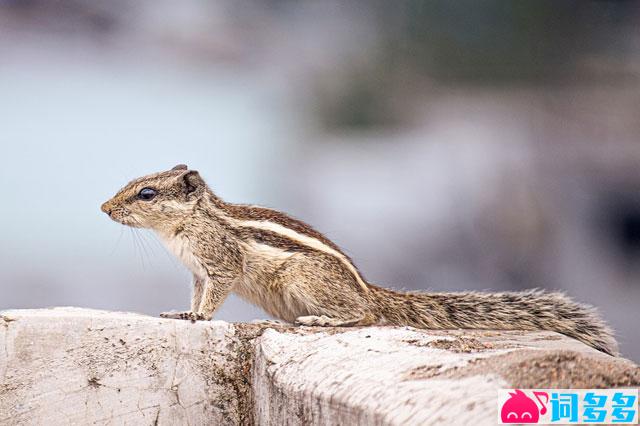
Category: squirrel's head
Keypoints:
(158, 201)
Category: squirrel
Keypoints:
(296, 274)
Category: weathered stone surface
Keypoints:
(409, 376)
(77, 366)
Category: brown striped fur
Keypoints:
(296, 274)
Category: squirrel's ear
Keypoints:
(192, 182)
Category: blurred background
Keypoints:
(445, 145)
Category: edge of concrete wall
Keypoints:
(70, 365)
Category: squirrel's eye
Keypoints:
(146, 194)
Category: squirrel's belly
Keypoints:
(272, 301)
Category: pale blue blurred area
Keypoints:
(495, 152)
(75, 129)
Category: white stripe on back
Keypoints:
(303, 239)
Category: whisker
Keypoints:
(142, 242)
(145, 241)
(145, 252)
(164, 250)
(137, 250)
(117, 241)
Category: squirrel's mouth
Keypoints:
(126, 219)
(121, 215)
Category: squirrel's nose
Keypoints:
(106, 207)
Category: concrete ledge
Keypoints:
(79, 366)
(61, 366)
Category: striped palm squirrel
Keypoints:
(296, 274)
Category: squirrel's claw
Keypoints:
(186, 315)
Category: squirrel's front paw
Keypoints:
(186, 315)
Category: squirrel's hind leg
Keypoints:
(316, 289)
(326, 321)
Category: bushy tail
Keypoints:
(527, 310)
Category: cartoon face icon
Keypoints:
(519, 408)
